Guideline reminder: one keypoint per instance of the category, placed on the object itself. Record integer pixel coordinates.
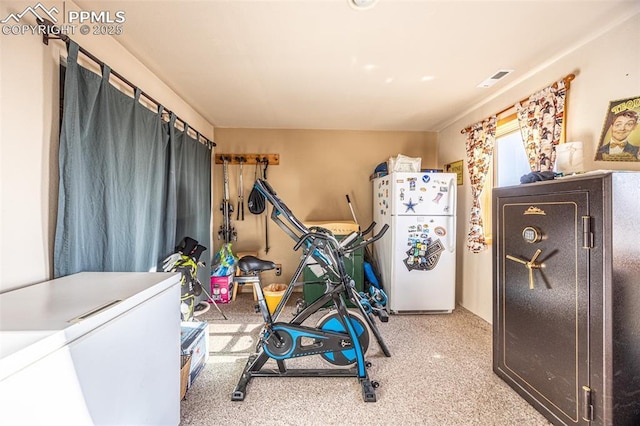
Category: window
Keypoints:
(508, 165)
(510, 161)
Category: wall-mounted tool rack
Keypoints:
(274, 159)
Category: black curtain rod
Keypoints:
(57, 35)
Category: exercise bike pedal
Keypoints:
(300, 305)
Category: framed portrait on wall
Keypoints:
(620, 137)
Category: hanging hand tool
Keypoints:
(227, 231)
(265, 160)
(240, 211)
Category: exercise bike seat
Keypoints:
(252, 265)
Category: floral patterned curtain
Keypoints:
(480, 141)
(541, 125)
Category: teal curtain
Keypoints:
(193, 182)
(118, 191)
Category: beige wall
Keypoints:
(317, 169)
(29, 93)
(607, 68)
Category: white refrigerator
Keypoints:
(417, 259)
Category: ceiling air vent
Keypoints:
(498, 75)
(362, 4)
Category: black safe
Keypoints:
(566, 296)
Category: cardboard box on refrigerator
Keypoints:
(194, 341)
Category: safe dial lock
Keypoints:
(531, 234)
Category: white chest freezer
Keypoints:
(91, 348)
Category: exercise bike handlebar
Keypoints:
(349, 239)
(369, 229)
(316, 233)
(322, 234)
(368, 241)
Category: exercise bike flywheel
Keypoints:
(331, 322)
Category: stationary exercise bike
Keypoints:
(340, 337)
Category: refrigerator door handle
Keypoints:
(452, 190)
(451, 241)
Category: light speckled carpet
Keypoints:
(439, 374)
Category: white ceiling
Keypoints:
(319, 64)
